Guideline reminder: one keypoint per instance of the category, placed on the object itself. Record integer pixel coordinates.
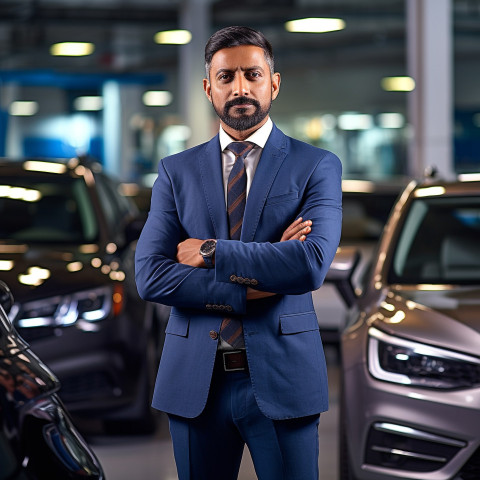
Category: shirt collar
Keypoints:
(259, 137)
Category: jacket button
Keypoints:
(240, 280)
(254, 282)
(213, 334)
(233, 278)
(229, 308)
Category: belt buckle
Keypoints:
(224, 356)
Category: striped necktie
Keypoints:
(231, 329)
(237, 188)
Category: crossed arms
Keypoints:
(188, 251)
(167, 265)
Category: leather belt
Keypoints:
(232, 360)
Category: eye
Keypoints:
(225, 77)
(254, 74)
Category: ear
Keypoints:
(275, 85)
(208, 89)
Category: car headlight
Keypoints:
(397, 360)
(63, 310)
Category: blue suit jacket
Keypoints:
(284, 349)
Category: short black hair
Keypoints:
(236, 36)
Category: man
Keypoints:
(243, 361)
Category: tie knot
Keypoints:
(240, 149)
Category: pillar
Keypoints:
(195, 109)
(430, 105)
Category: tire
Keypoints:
(146, 420)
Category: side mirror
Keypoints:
(341, 271)
(6, 297)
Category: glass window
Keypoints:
(439, 242)
(116, 207)
(36, 210)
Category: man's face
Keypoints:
(241, 87)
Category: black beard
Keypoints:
(243, 121)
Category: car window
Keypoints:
(40, 209)
(115, 206)
(439, 242)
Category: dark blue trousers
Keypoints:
(210, 447)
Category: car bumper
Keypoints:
(98, 364)
(397, 431)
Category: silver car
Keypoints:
(366, 208)
(410, 396)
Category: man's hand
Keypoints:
(298, 230)
(188, 252)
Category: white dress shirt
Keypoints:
(259, 138)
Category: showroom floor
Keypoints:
(151, 458)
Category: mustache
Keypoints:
(241, 101)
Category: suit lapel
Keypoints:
(272, 158)
(212, 181)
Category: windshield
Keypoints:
(439, 243)
(40, 210)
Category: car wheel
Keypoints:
(146, 420)
(143, 423)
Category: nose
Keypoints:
(240, 85)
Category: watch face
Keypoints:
(207, 248)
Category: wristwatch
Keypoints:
(207, 251)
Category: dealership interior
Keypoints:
(390, 86)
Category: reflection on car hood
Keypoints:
(22, 375)
(448, 317)
(39, 272)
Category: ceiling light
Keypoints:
(173, 37)
(391, 120)
(88, 104)
(157, 98)
(355, 121)
(358, 186)
(72, 49)
(74, 266)
(429, 191)
(23, 108)
(6, 265)
(315, 25)
(48, 167)
(469, 177)
(398, 84)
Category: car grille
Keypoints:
(87, 386)
(471, 470)
(404, 448)
(33, 334)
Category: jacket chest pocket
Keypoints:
(279, 212)
(178, 325)
(279, 199)
(298, 323)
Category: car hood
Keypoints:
(22, 374)
(449, 317)
(34, 272)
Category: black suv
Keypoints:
(67, 240)
(37, 437)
